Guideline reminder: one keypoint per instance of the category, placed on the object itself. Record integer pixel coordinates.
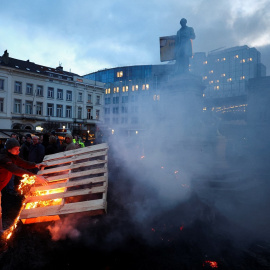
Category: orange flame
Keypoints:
(24, 189)
(25, 183)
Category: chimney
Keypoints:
(5, 57)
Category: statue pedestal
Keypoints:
(182, 106)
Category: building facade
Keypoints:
(132, 92)
(33, 97)
(225, 73)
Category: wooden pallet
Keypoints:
(83, 177)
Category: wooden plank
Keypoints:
(64, 209)
(69, 153)
(62, 195)
(73, 166)
(74, 158)
(40, 219)
(71, 175)
(71, 183)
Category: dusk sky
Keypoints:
(86, 36)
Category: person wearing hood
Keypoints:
(12, 164)
(69, 141)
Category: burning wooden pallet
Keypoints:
(78, 181)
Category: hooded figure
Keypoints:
(69, 141)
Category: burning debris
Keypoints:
(77, 183)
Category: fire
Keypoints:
(31, 205)
(26, 183)
(213, 264)
(24, 189)
(47, 192)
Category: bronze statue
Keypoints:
(183, 46)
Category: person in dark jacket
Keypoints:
(52, 147)
(12, 164)
(36, 152)
(24, 152)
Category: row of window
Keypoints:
(123, 120)
(29, 109)
(115, 110)
(115, 100)
(126, 87)
(249, 59)
(50, 92)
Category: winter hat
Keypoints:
(12, 143)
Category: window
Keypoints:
(60, 94)
(89, 113)
(17, 106)
(68, 112)
(135, 87)
(79, 113)
(115, 100)
(124, 99)
(107, 100)
(29, 89)
(108, 91)
(39, 108)
(119, 74)
(98, 100)
(107, 110)
(50, 109)
(28, 107)
(116, 89)
(80, 96)
(39, 91)
(115, 121)
(2, 84)
(124, 109)
(69, 95)
(125, 88)
(59, 110)
(97, 114)
(124, 120)
(115, 110)
(89, 98)
(1, 105)
(50, 92)
(18, 87)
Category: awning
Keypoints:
(4, 136)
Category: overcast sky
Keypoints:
(87, 35)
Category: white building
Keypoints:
(32, 96)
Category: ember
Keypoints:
(213, 264)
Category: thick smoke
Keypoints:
(185, 152)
